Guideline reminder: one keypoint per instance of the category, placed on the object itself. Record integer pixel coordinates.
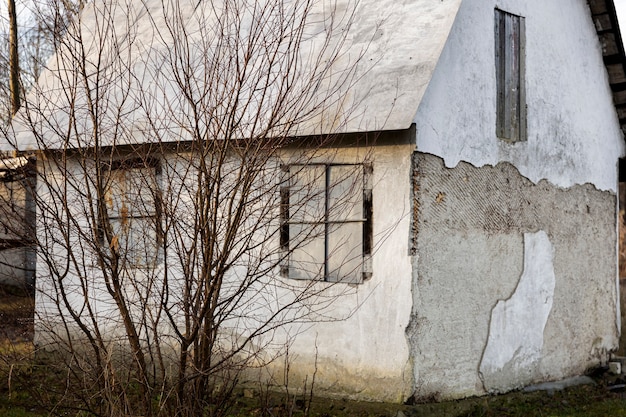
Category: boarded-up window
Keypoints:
(510, 69)
(131, 199)
(327, 222)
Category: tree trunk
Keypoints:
(13, 59)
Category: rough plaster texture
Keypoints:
(470, 254)
(517, 324)
(573, 132)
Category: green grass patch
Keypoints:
(32, 391)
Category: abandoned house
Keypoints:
(452, 166)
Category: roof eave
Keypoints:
(607, 26)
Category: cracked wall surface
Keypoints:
(472, 226)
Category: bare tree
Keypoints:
(14, 65)
(29, 35)
(177, 214)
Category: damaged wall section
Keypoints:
(472, 227)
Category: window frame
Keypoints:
(129, 164)
(366, 245)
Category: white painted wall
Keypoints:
(354, 339)
(620, 8)
(367, 355)
(573, 138)
(573, 133)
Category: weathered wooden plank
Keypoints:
(598, 6)
(500, 74)
(609, 44)
(603, 22)
(619, 97)
(509, 37)
(616, 73)
(511, 81)
(522, 79)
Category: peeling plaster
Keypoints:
(517, 324)
(574, 136)
(472, 251)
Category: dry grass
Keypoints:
(25, 387)
(16, 352)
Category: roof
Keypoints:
(382, 54)
(606, 23)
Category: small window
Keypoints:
(327, 222)
(132, 205)
(510, 72)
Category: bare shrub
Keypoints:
(175, 207)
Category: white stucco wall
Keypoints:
(366, 355)
(363, 348)
(573, 133)
(353, 340)
(517, 325)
